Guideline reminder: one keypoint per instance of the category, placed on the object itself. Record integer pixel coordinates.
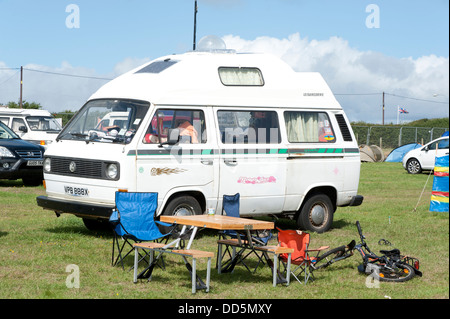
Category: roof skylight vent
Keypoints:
(212, 43)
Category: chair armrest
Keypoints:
(163, 224)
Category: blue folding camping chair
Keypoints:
(231, 207)
(134, 220)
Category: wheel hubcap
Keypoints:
(318, 215)
(183, 211)
(414, 167)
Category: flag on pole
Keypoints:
(402, 110)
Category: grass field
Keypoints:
(36, 249)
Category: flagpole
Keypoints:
(398, 113)
(195, 24)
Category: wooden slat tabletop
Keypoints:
(220, 222)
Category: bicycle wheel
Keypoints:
(402, 273)
(328, 257)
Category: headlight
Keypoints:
(47, 165)
(4, 152)
(112, 171)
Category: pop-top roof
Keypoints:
(231, 79)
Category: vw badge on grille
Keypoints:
(72, 167)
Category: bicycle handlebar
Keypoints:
(360, 231)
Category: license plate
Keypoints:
(76, 191)
(35, 163)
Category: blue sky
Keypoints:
(411, 42)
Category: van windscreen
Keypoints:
(106, 121)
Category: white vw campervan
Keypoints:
(36, 126)
(196, 126)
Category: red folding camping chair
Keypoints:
(299, 241)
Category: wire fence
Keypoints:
(394, 136)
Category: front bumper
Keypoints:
(84, 210)
(14, 169)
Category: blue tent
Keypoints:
(445, 134)
(396, 155)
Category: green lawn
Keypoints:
(36, 248)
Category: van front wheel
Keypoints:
(316, 214)
(180, 206)
(183, 206)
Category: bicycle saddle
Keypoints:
(392, 252)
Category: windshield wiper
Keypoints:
(70, 135)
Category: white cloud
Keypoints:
(347, 70)
(350, 71)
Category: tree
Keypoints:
(25, 105)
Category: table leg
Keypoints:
(275, 265)
(136, 257)
(191, 239)
(194, 275)
(208, 274)
(288, 270)
(219, 258)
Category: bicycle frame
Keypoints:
(390, 259)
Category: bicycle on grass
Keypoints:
(390, 267)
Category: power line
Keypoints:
(395, 95)
(416, 99)
(1, 83)
(70, 75)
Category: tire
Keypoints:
(32, 181)
(326, 259)
(403, 273)
(181, 206)
(413, 166)
(97, 225)
(316, 214)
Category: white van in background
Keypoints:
(36, 126)
(196, 126)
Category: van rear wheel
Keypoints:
(316, 214)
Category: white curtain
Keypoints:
(240, 76)
(302, 126)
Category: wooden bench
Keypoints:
(192, 253)
(272, 249)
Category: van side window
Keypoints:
(4, 120)
(17, 123)
(243, 127)
(308, 127)
(191, 124)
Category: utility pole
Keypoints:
(383, 109)
(21, 85)
(195, 22)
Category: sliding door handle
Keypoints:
(231, 162)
